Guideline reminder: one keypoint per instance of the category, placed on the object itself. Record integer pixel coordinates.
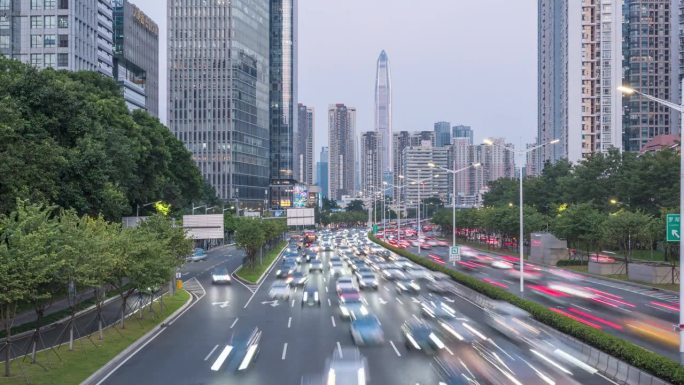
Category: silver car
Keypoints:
(279, 290)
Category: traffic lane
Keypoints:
(183, 352)
(215, 258)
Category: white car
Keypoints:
(220, 275)
(348, 367)
(344, 282)
(279, 290)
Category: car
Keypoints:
(418, 273)
(502, 265)
(197, 256)
(344, 282)
(316, 265)
(311, 297)
(434, 307)
(279, 290)
(285, 269)
(297, 279)
(392, 274)
(336, 268)
(459, 329)
(347, 367)
(511, 321)
(367, 280)
(407, 285)
(220, 275)
(352, 307)
(420, 336)
(310, 255)
(366, 330)
(439, 287)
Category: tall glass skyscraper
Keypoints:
(283, 101)
(442, 134)
(218, 63)
(383, 110)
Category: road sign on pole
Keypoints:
(672, 228)
(375, 229)
(454, 253)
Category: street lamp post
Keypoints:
(419, 182)
(399, 208)
(453, 173)
(521, 153)
(138, 207)
(677, 107)
(197, 207)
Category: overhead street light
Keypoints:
(138, 207)
(419, 182)
(677, 107)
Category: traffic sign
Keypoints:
(672, 227)
(375, 229)
(454, 253)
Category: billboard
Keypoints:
(208, 226)
(300, 195)
(300, 217)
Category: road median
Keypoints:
(254, 275)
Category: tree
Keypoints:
(355, 205)
(329, 205)
(250, 237)
(624, 228)
(580, 225)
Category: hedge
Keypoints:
(571, 262)
(626, 351)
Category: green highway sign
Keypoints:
(375, 229)
(672, 227)
(454, 253)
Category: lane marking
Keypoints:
(211, 352)
(284, 351)
(449, 350)
(221, 358)
(395, 349)
(266, 274)
(414, 316)
(293, 301)
(398, 300)
(332, 318)
(289, 322)
(326, 289)
(339, 349)
(234, 322)
(329, 304)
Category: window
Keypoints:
(62, 60)
(4, 42)
(36, 4)
(36, 41)
(50, 41)
(4, 22)
(36, 21)
(63, 4)
(50, 59)
(4, 5)
(62, 21)
(50, 21)
(36, 60)
(63, 41)
(50, 4)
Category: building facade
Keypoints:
(303, 144)
(74, 35)
(136, 57)
(342, 146)
(218, 74)
(400, 140)
(371, 174)
(322, 172)
(442, 134)
(422, 181)
(461, 131)
(283, 101)
(383, 110)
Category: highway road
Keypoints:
(641, 315)
(206, 344)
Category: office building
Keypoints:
(283, 99)
(322, 172)
(342, 146)
(136, 57)
(74, 35)
(461, 131)
(650, 62)
(383, 110)
(371, 174)
(417, 138)
(415, 169)
(303, 144)
(442, 134)
(218, 70)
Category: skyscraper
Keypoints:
(415, 167)
(322, 172)
(219, 92)
(283, 100)
(442, 134)
(383, 110)
(461, 131)
(342, 145)
(371, 175)
(136, 57)
(303, 144)
(72, 35)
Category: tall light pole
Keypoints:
(197, 207)
(453, 194)
(138, 207)
(522, 154)
(419, 182)
(677, 107)
(399, 211)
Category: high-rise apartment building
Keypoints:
(136, 56)
(342, 147)
(383, 110)
(303, 145)
(532, 161)
(442, 134)
(322, 172)
(71, 35)
(461, 131)
(461, 156)
(415, 169)
(218, 70)
(371, 174)
(496, 161)
(400, 140)
(417, 138)
(283, 100)
(650, 62)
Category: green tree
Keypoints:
(624, 229)
(580, 225)
(355, 205)
(250, 237)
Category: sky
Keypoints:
(465, 62)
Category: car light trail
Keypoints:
(495, 283)
(664, 305)
(578, 319)
(548, 291)
(595, 318)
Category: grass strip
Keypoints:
(89, 355)
(253, 274)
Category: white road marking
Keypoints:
(332, 318)
(382, 301)
(583, 308)
(289, 322)
(395, 349)
(234, 322)
(284, 351)
(221, 358)
(326, 289)
(449, 350)
(339, 349)
(386, 288)
(414, 316)
(398, 300)
(293, 301)
(263, 280)
(210, 353)
(329, 304)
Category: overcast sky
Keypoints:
(466, 62)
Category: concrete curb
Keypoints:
(106, 368)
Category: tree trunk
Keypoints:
(123, 310)
(8, 336)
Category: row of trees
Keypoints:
(45, 251)
(251, 234)
(67, 138)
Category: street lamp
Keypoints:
(400, 187)
(453, 197)
(419, 182)
(522, 154)
(138, 207)
(197, 207)
(677, 107)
